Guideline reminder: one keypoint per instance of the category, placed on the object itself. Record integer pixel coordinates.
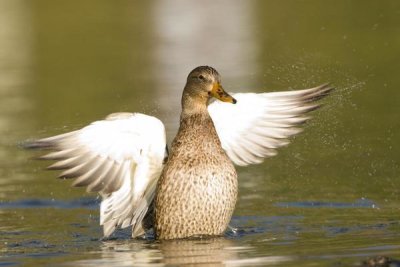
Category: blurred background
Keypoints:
(329, 198)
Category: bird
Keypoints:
(190, 189)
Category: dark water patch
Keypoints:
(13, 233)
(9, 263)
(31, 244)
(284, 227)
(360, 203)
(45, 255)
(241, 232)
(88, 203)
(334, 230)
(125, 234)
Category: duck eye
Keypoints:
(201, 77)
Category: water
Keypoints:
(331, 198)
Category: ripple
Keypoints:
(88, 203)
(360, 203)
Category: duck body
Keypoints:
(197, 191)
(194, 190)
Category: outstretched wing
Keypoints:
(120, 157)
(258, 124)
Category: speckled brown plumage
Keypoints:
(197, 190)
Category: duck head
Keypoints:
(203, 83)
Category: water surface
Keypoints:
(331, 198)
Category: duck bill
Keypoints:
(219, 93)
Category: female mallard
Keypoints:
(194, 191)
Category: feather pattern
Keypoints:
(120, 157)
(258, 124)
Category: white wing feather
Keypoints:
(258, 124)
(120, 157)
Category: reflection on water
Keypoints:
(205, 252)
(15, 61)
(202, 36)
(191, 252)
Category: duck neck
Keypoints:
(196, 126)
(194, 106)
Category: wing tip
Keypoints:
(35, 144)
(321, 92)
(109, 228)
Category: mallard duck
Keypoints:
(193, 190)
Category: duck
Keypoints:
(190, 189)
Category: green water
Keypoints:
(331, 198)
